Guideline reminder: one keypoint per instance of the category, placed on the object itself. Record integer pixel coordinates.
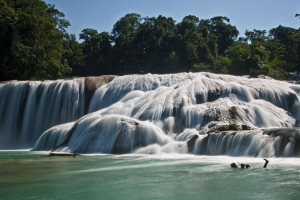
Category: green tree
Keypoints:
(220, 27)
(125, 51)
(256, 36)
(258, 60)
(191, 46)
(74, 56)
(250, 55)
(198, 48)
(288, 40)
(97, 51)
(239, 54)
(154, 43)
(8, 19)
(32, 33)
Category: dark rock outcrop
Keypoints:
(191, 143)
(91, 84)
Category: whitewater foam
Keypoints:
(170, 108)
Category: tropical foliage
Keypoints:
(31, 40)
(35, 45)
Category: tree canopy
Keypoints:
(35, 45)
(31, 38)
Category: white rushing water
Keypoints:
(27, 108)
(159, 113)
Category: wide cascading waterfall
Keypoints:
(184, 105)
(127, 111)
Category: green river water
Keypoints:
(31, 175)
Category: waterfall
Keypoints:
(28, 108)
(108, 134)
(197, 99)
(152, 113)
(279, 142)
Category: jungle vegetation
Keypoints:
(35, 45)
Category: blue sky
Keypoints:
(244, 14)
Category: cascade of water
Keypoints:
(108, 134)
(271, 142)
(241, 143)
(175, 106)
(54, 136)
(28, 108)
(195, 100)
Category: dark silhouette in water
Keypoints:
(233, 165)
(243, 166)
(266, 163)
